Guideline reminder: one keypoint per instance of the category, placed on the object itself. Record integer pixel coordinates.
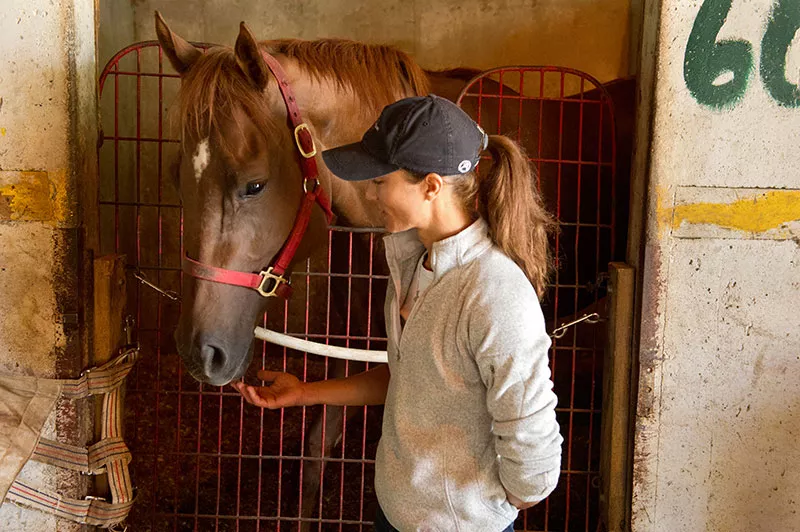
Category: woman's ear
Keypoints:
(433, 184)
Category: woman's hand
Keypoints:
(283, 389)
(517, 503)
(280, 390)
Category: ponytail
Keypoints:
(518, 222)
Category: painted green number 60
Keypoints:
(717, 73)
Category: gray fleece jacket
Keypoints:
(470, 408)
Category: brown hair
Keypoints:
(507, 198)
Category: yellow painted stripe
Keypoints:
(756, 214)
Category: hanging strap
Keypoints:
(91, 511)
(101, 380)
(119, 478)
(91, 461)
(109, 455)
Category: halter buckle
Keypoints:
(303, 152)
(266, 276)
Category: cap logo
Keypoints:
(464, 166)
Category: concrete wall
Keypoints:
(719, 397)
(590, 36)
(47, 139)
(115, 28)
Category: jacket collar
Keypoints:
(404, 249)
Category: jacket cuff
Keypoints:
(530, 485)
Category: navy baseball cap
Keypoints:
(422, 134)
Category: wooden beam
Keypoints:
(615, 430)
(110, 295)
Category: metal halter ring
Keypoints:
(305, 184)
(267, 275)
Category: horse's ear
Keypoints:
(180, 53)
(249, 58)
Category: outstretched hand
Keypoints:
(280, 390)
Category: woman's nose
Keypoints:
(372, 193)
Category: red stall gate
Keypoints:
(203, 460)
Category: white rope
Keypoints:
(333, 351)
(362, 355)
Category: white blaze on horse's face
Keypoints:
(201, 158)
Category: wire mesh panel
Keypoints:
(205, 460)
(564, 120)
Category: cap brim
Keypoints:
(353, 163)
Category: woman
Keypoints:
(469, 428)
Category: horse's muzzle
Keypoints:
(210, 360)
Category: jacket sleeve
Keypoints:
(510, 345)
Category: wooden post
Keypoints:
(110, 296)
(615, 431)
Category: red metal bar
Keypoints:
(141, 74)
(261, 439)
(500, 105)
(116, 162)
(139, 139)
(364, 426)
(577, 260)
(519, 116)
(518, 97)
(283, 412)
(327, 369)
(179, 479)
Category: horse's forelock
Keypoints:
(211, 92)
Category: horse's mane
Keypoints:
(216, 85)
(375, 72)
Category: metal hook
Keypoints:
(130, 346)
(171, 294)
(560, 331)
(130, 323)
(100, 471)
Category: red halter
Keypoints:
(271, 282)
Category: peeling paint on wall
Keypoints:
(25, 196)
(33, 196)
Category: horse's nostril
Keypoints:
(214, 359)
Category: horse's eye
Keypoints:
(254, 188)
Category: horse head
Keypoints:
(241, 189)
